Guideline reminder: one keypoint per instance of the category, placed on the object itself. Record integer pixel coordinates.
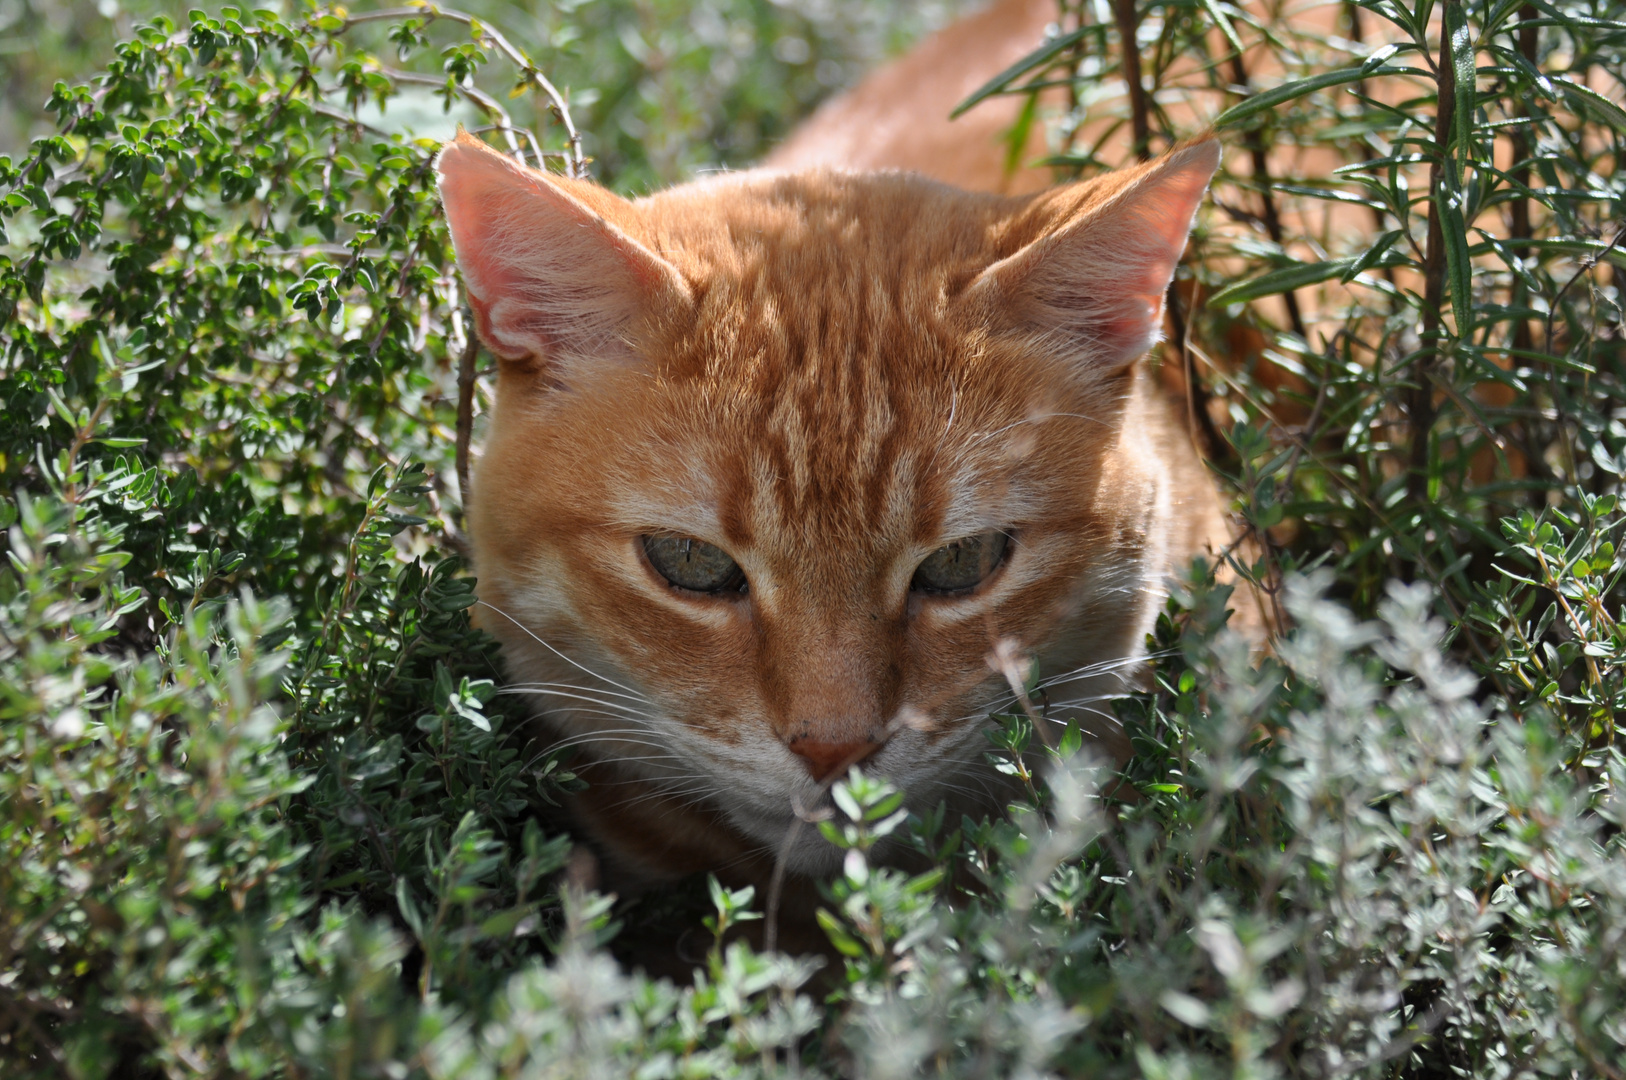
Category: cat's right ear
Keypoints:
(551, 276)
(1090, 289)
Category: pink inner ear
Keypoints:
(1168, 202)
(548, 278)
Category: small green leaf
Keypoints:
(1459, 264)
(844, 942)
(1283, 280)
(1462, 77)
(1269, 99)
(1221, 20)
(1185, 1008)
(1374, 256)
(1072, 740)
(844, 799)
(1002, 82)
(1584, 99)
(885, 806)
(1016, 140)
(408, 906)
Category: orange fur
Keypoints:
(829, 375)
(898, 117)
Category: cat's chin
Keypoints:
(811, 855)
(783, 834)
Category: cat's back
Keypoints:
(898, 117)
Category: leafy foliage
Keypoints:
(266, 813)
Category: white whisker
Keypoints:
(620, 740)
(1036, 419)
(516, 686)
(628, 735)
(627, 710)
(556, 652)
(579, 710)
(1102, 667)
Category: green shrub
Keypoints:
(263, 811)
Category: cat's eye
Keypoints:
(694, 564)
(963, 565)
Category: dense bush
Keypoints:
(263, 809)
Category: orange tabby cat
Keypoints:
(779, 459)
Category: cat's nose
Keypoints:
(824, 758)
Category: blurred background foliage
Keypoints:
(660, 88)
(265, 810)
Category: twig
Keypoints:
(575, 165)
(1420, 402)
(1205, 437)
(1128, 20)
(1006, 660)
(339, 116)
(776, 884)
(465, 414)
(1259, 156)
(1587, 266)
(486, 104)
(1357, 33)
(1070, 131)
(1310, 425)
(1519, 208)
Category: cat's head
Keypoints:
(779, 462)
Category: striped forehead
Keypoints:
(827, 400)
(865, 461)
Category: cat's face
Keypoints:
(781, 464)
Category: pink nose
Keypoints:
(825, 758)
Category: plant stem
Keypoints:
(1259, 155)
(1199, 425)
(465, 414)
(1357, 33)
(1420, 402)
(1128, 20)
(1519, 208)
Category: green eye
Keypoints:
(961, 566)
(694, 564)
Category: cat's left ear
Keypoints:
(1090, 287)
